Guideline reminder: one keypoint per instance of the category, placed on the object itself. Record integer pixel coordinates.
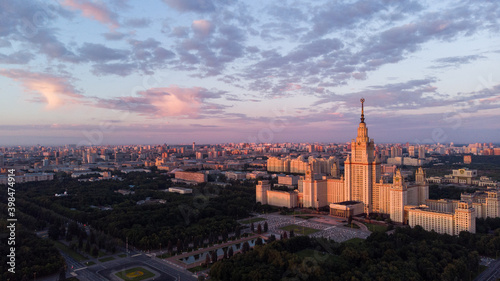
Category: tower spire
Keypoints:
(362, 100)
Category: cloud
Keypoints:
(335, 16)
(202, 28)
(114, 36)
(456, 61)
(200, 6)
(170, 101)
(101, 53)
(138, 22)
(120, 69)
(180, 31)
(94, 10)
(19, 57)
(211, 54)
(52, 90)
(145, 56)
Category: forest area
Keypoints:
(408, 254)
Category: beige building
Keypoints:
(4, 179)
(191, 176)
(452, 223)
(464, 176)
(431, 220)
(300, 165)
(265, 195)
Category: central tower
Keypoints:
(362, 169)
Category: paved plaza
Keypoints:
(330, 227)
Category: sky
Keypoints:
(218, 71)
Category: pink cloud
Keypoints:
(202, 27)
(50, 89)
(93, 10)
(171, 101)
(292, 87)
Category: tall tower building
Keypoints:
(464, 218)
(422, 185)
(362, 168)
(261, 191)
(421, 152)
(398, 197)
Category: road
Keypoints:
(491, 273)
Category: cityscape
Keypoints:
(235, 140)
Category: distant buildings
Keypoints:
(192, 177)
(29, 177)
(465, 176)
(180, 190)
(467, 159)
(300, 165)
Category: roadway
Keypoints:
(492, 273)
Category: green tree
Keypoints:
(207, 259)
(54, 232)
(62, 274)
(95, 251)
(246, 247)
(258, 242)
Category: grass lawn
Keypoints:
(352, 225)
(164, 256)
(134, 274)
(68, 251)
(295, 213)
(300, 229)
(354, 241)
(305, 217)
(376, 227)
(89, 263)
(106, 259)
(197, 268)
(122, 255)
(102, 254)
(252, 220)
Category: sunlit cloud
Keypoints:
(172, 101)
(202, 28)
(94, 10)
(52, 90)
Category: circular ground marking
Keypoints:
(135, 274)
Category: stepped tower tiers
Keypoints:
(362, 169)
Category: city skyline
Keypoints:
(172, 71)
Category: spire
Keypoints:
(362, 130)
(362, 110)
